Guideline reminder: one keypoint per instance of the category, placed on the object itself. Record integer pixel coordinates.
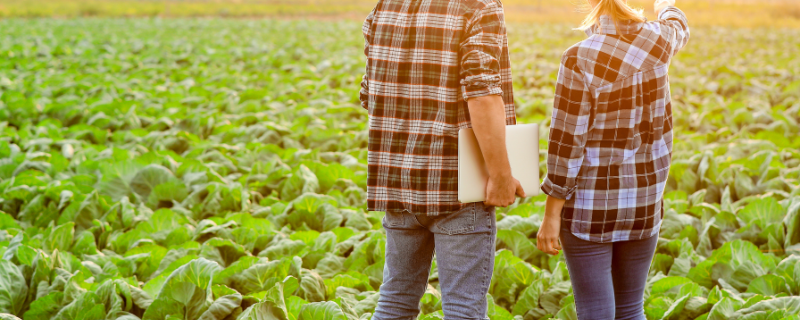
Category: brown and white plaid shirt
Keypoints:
(425, 58)
(610, 142)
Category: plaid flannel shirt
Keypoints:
(425, 58)
(610, 144)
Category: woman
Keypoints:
(609, 155)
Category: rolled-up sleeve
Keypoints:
(366, 29)
(481, 50)
(569, 129)
(677, 27)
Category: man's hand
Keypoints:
(661, 4)
(501, 191)
(547, 237)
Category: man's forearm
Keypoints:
(488, 118)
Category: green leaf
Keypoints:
(661, 263)
(84, 213)
(324, 216)
(667, 283)
(148, 178)
(290, 285)
(791, 305)
(140, 298)
(739, 252)
(356, 220)
(190, 285)
(224, 276)
(676, 309)
(222, 307)
(529, 299)
(439, 315)
(163, 308)
(511, 276)
(753, 300)
(723, 309)
(568, 311)
(763, 212)
(154, 285)
(551, 298)
(7, 222)
(60, 238)
(293, 305)
(261, 276)
(329, 173)
(13, 288)
(743, 185)
(312, 287)
(355, 281)
(265, 310)
(84, 244)
(18, 252)
(695, 306)
(307, 236)
(301, 181)
(44, 308)
(517, 243)
(173, 190)
(284, 248)
(327, 310)
(768, 285)
(6, 316)
(431, 301)
(494, 311)
(86, 307)
(792, 223)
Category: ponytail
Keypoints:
(618, 10)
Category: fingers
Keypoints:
(547, 245)
(503, 196)
(520, 192)
(550, 249)
(540, 243)
(494, 201)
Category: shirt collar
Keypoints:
(606, 26)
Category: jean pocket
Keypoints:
(394, 219)
(463, 221)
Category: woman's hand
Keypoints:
(547, 237)
(661, 4)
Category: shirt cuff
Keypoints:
(363, 94)
(480, 86)
(670, 12)
(363, 97)
(551, 189)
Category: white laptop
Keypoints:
(522, 143)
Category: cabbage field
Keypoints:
(215, 169)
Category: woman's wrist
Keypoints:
(553, 207)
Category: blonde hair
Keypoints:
(618, 10)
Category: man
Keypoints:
(434, 67)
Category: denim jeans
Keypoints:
(464, 243)
(608, 279)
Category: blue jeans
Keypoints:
(608, 279)
(465, 244)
